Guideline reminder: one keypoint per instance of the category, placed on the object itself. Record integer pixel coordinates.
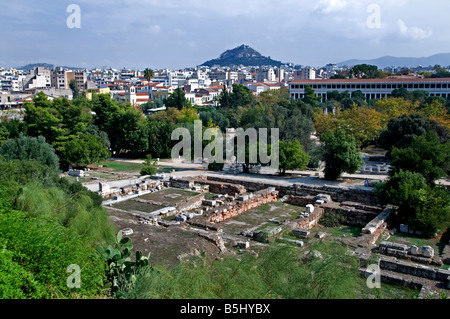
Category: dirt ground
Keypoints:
(164, 244)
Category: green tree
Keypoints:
(403, 129)
(426, 156)
(401, 93)
(73, 85)
(85, 149)
(149, 166)
(365, 71)
(177, 99)
(424, 208)
(310, 96)
(340, 155)
(128, 133)
(292, 156)
(26, 148)
(159, 137)
(43, 119)
(148, 74)
(240, 96)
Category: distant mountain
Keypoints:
(244, 55)
(50, 66)
(442, 59)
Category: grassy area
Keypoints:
(170, 195)
(413, 240)
(118, 166)
(259, 217)
(133, 205)
(386, 291)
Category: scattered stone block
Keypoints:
(321, 235)
(127, 231)
(315, 254)
(325, 197)
(181, 218)
(414, 250)
(244, 245)
(211, 203)
(401, 247)
(443, 274)
(428, 251)
(309, 208)
(426, 272)
(300, 232)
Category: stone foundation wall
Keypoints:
(355, 214)
(392, 264)
(308, 222)
(224, 188)
(181, 183)
(191, 203)
(236, 208)
(373, 230)
(338, 194)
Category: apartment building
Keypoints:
(39, 77)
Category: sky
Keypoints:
(175, 34)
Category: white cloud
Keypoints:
(414, 33)
(155, 29)
(327, 6)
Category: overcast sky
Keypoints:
(185, 33)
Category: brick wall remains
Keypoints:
(235, 208)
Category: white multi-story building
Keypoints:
(259, 87)
(218, 75)
(176, 78)
(268, 75)
(39, 77)
(59, 78)
(371, 88)
(306, 73)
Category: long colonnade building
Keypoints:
(371, 88)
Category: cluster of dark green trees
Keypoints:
(420, 152)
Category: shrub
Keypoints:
(278, 272)
(216, 167)
(26, 148)
(332, 218)
(40, 252)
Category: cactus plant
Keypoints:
(121, 269)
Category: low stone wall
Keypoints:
(223, 188)
(338, 194)
(306, 222)
(393, 279)
(423, 255)
(355, 214)
(107, 192)
(353, 217)
(376, 227)
(392, 264)
(236, 208)
(181, 182)
(191, 203)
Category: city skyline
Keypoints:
(175, 34)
